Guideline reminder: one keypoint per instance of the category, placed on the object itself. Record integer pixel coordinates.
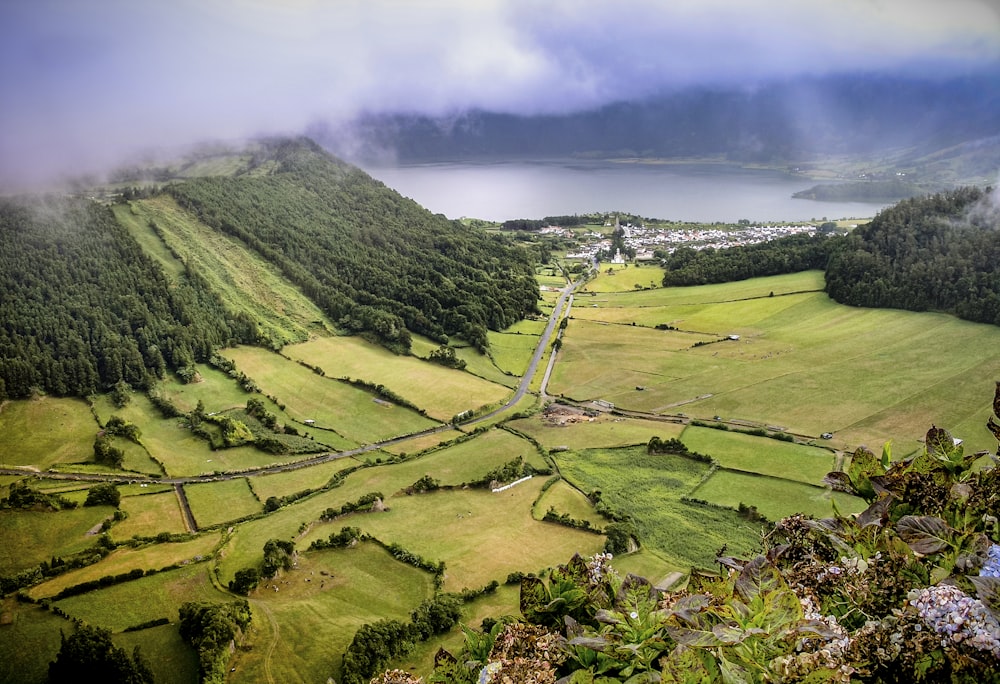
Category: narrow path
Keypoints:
(669, 581)
(275, 634)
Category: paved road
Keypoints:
(522, 389)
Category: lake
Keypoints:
(703, 192)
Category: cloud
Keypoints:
(84, 83)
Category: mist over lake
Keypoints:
(499, 191)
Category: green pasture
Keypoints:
(650, 488)
(172, 443)
(122, 560)
(741, 290)
(29, 537)
(482, 366)
(512, 352)
(761, 455)
(472, 459)
(293, 481)
(603, 431)
(149, 515)
(417, 444)
(774, 497)
(218, 502)
(566, 500)
(242, 279)
(645, 563)
(550, 281)
(29, 641)
(460, 527)
(350, 411)
(171, 659)
(137, 459)
(305, 626)
(441, 392)
(528, 326)
(626, 278)
(802, 362)
(148, 598)
(45, 431)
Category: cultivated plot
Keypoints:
(774, 497)
(45, 431)
(349, 411)
(218, 502)
(441, 392)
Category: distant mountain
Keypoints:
(96, 294)
(779, 122)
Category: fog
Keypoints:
(84, 85)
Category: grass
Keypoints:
(799, 363)
(775, 498)
(293, 481)
(149, 515)
(412, 446)
(761, 455)
(650, 488)
(464, 533)
(151, 557)
(441, 392)
(45, 431)
(305, 626)
(565, 499)
(626, 278)
(171, 659)
(148, 598)
(603, 431)
(29, 537)
(242, 279)
(172, 443)
(349, 411)
(218, 502)
(473, 458)
(30, 641)
(512, 352)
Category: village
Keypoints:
(645, 241)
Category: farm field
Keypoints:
(625, 278)
(650, 489)
(441, 392)
(565, 500)
(29, 537)
(761, 455)
(797, 364)
(603, 431)
(149, 515)
(349, 411)
(122, 560)
(218, 502)
(45, 431)
(774, 497)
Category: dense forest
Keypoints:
(374, 261)
(84, 308)
(688, 266)
(935, 253)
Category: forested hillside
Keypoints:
(935, 253)
(373, 260)
(84, 308)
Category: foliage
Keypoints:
(934, 253)
(24, 496)
(688, 266)
(88, 655)
(210, 628)
(278, 555)
(103, 494)
(445, 356)
(371, 260)
(85, 309)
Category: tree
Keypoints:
(88, 655)
(107, 454)
(104, 494)
(245, 581)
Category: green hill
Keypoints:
(96, 295)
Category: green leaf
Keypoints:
(534, 597)
(864, 466)
(925, 534)
(757, 578)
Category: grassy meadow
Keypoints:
(346, 410)
(775, 497)
(218, 502)
(801, 361)
(441, 392)
(45, 431)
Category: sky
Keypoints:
(84, 84)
